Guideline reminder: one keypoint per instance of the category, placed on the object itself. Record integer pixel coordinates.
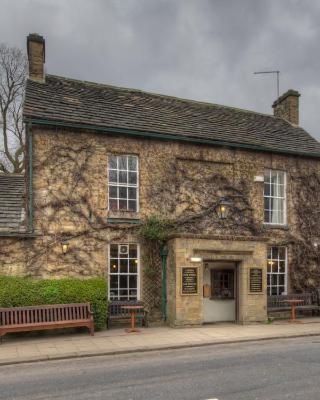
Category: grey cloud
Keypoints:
(201, 49)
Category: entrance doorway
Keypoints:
(219, 291)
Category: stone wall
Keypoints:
(180, 181)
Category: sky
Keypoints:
(204, 50)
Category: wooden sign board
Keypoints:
(256, 280)
(189, 280)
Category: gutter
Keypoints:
(167, 137)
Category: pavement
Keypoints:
(22, 349)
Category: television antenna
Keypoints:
(271, 72)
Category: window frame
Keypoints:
(127, 274)
(284, 198)
(285, 273)
(229, 272)
(127, 185)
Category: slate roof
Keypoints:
(77, 102)
(11, 202)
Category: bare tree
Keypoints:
(13, 72)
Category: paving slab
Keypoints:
(15, 349)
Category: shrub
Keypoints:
(19, 292)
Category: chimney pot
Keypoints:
(36, 56)
(287, 106)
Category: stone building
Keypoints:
(234, 194)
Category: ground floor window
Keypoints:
(277, 270)
(222, 284)
(123, 271)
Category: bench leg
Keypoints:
(91, 329)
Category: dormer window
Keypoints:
(123, 183)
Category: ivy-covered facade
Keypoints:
(199, 210)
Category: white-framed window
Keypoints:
(124, 271)
(123, 174)
(277, 270)
(275, 202)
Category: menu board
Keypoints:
(256, 280)
(189, 280)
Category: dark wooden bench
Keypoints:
(117, 313)
(24, 319)
(277, 302)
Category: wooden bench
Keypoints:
(277, 302)
(117, 313)
(24, 319)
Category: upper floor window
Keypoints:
(123, 183)
(275, 197)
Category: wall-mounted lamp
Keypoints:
(223, 208)
(195, 259)
(64, 246)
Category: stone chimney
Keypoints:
(287, 106)
(36, 57)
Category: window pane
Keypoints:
(132, 163)
(267, 189)
(267, 176)
(133, 266)
(123, 177)
(114, 282)
(132, 205)
(281, 190)
(123, 281)
(281, 176)
(113, 204)
(112, 162)
(274, 177)
(133, 281)
(123, 192)
(122, 162)
(133, 251)
(122, 204)
(282, 253)
(123, 265)
(274, 218)
(132, 193)
(267, 203)
(267, 216)
(113, 191)
(132, 178)
(114, 266)
(113, 250)
(113, 176)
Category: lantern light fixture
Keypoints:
(64, 246)
(223, 208)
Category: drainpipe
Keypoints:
(30, 178)
(164, 254)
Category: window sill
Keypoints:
(120, 220)
(276, 226)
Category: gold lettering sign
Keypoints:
(256, 280)
(189, 280)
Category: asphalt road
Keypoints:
(274, 370)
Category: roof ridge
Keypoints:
(198, 102)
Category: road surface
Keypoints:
(273, 370)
